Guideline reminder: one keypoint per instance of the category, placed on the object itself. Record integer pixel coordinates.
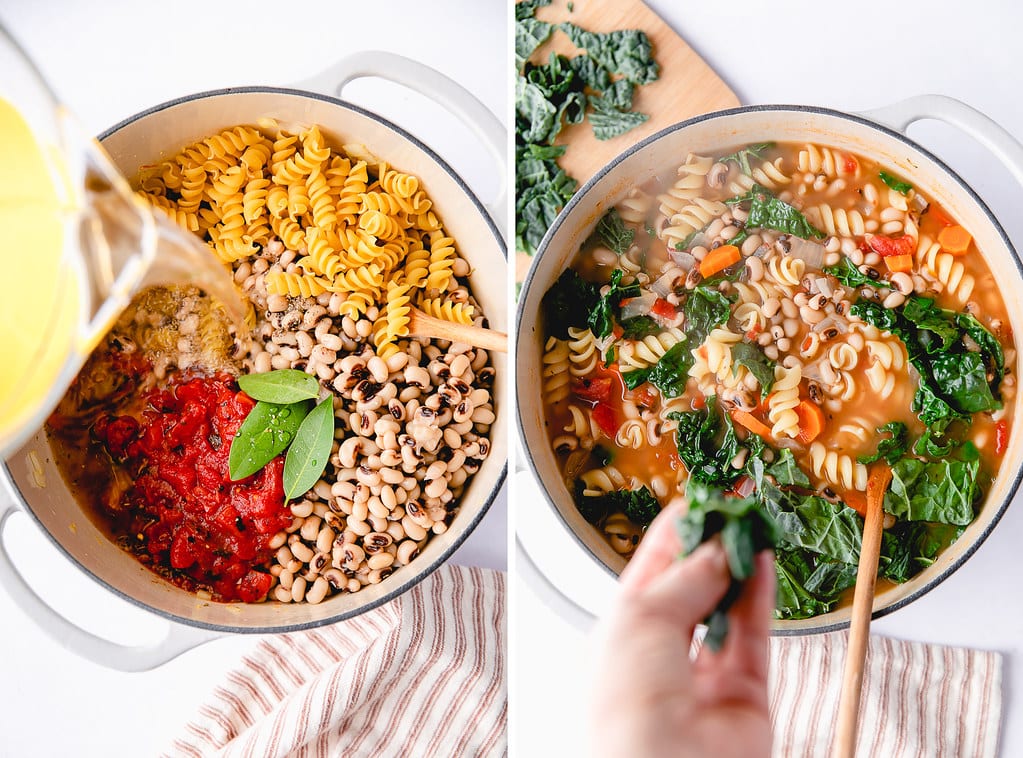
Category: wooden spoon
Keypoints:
(863, 603)
(423, 325)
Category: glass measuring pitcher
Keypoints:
(77, 244)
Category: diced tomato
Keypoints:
(753, 333)
(886, 246)
(663, 309)
(849, 164)
(606, 419)
(644, 396)
(617, 332)
(592, 389)
(1001, 436)
(699, 402)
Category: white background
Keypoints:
(108, 61)
(849, 56)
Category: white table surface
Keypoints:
(849, 57)
(108, 61)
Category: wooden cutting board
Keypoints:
(687, 86)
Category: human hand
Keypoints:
(651, 700)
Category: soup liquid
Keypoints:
(39, 305)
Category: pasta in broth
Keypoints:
(777, 321)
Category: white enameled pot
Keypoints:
(564, 558)
(159, 133)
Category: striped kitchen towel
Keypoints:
(423, 675)
(918, 699)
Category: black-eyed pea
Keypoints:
(298, 589)
(279, 362)
(390, 457)
(360, 510)
(479, 397)
(324, 372)
(458, 477)
(302, 509)
(447, 495)
(361, 528)
(276, 570)
(378, 524)
(276, 303)
(380, 561)
(278, 540)
(457, 460)
(407, 550)
(376, 576)
(325, 539)
(294, 566)
(318, 591)
(463, 412)
(337, 556)
(409, 460)
(336, 579)
(320, 562)
(285, 579)
(354, 555)
(261, 364)
(452, 438)
(483, 416)
(377, 507)
(302, 552)
(348, 452)
(367, 476)
(354, 585)
(321, 509)
(435, 470)
(459, 364)
(388, 498)
(310, 528)
(396, 531)
(282, 595)
(439, 528)
(413, 529)
(334, 521)
(444, 418)
(284, 555)
(436, 487)
(305, 344)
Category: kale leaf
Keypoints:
(541, 189)
(626, 51)
(527, 8)
(795, 570)
(741, 156)
(752, 357)
(786, 471)
(529, 35)
(614, 233)
(911, 546)
(942, 491)
(890, 448)
(638, 327)
(707, 445)
(745, 530)
(593, 75)
(768, 212)
(849, 274)
(569, 302)
(895, 183)
(602, 316)
(608, 122)
(705, 309)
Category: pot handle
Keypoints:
(427, 81)
(86, 645)
(987, 132)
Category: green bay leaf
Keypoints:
(308, 454)
(266, 431)
(281, 386)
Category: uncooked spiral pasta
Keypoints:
(457, 313)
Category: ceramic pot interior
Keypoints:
(160, 133)
(715, 133)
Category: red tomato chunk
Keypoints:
(187, 516)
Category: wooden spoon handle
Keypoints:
(423, 325)
(863, 603)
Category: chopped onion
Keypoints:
(639, 306)
(663, 285)
(685, 260)
(811, 252)
(919, 202)
(813, 371)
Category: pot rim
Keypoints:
(578, 199)
(414, 578)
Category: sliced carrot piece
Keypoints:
(857, 501)
(811, 421)
(954, 239)
(719, 259)
(751, 422)
(897, 263)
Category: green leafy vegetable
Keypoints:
(745, 530)
(707, 445)
(310, 450)
(541, 189)
(619, 95)
(705, 309)
(627, 51)
(266, 432)
(638, 327)
(536, 116)
(939, 491)
(768, 212)
(281, 386)
(849, 274)
(890, 448)
(568, 303)
(895, 183)
(786, 471)
(593, 75)
(797, 572)
(669, 374)
(911, 546)
(741, 157)
(640, 506)
(527, 8)
(609, 123)
(752, 357)
(614, 233)
(529, 35)
(602, 316)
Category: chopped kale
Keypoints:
(602, 316)
(741, 157)
(569, 302)
(529, 35)
(942, 491)
(614, 233)
(849, 274)
(752, 357)
(895, 183)
(890, 448)
(768, 212)
(627, 51)
(640, 506)
(638, 327)
(608, 123)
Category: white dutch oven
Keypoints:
(159, 133)
(564, 556)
